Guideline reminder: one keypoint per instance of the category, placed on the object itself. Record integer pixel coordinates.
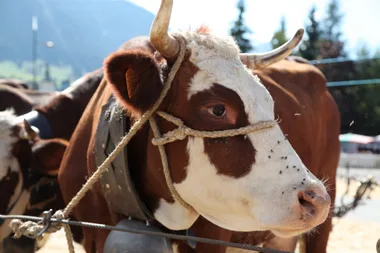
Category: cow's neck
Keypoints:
(146, 168)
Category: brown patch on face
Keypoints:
(232, 156)
(7, 188)
(175, 103)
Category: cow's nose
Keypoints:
(314, 204)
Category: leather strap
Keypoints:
(116, 182)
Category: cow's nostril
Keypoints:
(305, 198)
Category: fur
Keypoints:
(126, 71)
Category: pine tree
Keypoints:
(239, 30)
(279, 37)
(332, 45)
(310, 48)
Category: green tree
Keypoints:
(332, 44)
(279, 37)
(310, 48)
(239, 30)
(367, 99)
(333, 21)
(367, 69)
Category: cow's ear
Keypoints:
(135, 78)
(47, 156)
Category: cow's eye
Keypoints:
(217, 110)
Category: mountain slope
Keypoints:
(84, 32)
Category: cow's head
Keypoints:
(28, 170)
(248, 182)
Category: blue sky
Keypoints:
(360, 24)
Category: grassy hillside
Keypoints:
(84, 32)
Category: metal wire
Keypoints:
(353, 82)
(342, 59)
(140, 231)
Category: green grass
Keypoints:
(58, 74)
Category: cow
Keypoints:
(28, 170)
(22, 100)
(35, 161)
(300, 80)
(49, 118)
(227, 181)
(15, 83)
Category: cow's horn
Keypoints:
(256, 61)
(29, 132)
(161, 40)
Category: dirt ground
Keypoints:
(349, 235)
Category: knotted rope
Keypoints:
(183, 131)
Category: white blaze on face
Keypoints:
(263, 199)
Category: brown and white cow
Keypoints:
(255, 182)
(28, 176)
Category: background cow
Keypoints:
(22, 100)
(36, 161)
(15, 83)
(28, 176)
